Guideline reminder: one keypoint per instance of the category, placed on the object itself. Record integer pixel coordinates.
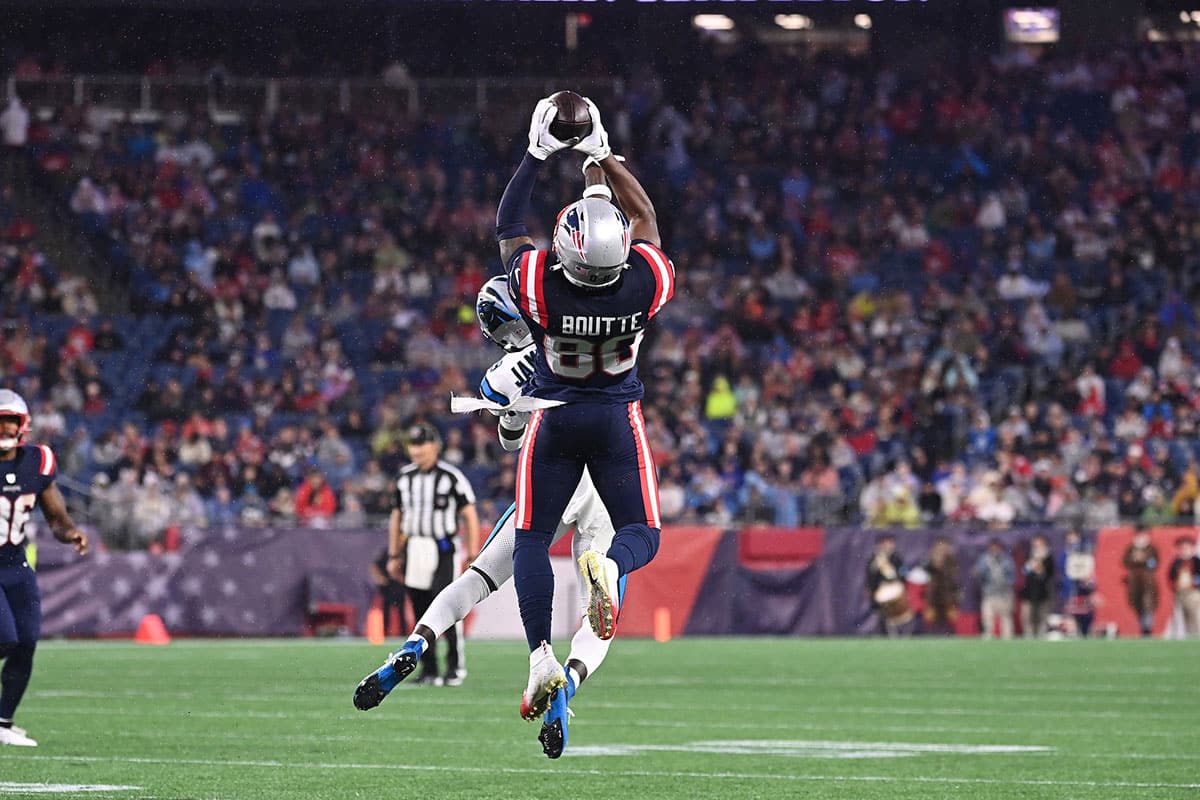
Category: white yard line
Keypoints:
(610, 773)
(13, 787)
(602, 723)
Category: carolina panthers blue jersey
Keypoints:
(22, 479)
(588, 339)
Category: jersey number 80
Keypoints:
(580, 359)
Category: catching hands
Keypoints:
(541, 143)
(595, 144)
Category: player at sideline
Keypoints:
(502, 325)
(588, 303)
(27, 474)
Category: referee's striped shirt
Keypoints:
(429, 502)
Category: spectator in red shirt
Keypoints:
(78, 342)
(1125, 365)
(315, 503)
(196, 423)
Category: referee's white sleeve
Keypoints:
(463, 487)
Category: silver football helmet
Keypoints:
(499, 318)
(13, 405)
(591, 240)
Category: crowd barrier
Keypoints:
(705, 581)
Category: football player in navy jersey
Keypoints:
(503, 383)
(588, 303)
(27, 475)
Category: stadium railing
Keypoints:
(144, 98)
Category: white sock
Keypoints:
(420, 641)
(588, 648)
(455, 602)
(544, 651)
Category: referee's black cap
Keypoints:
(422, 433)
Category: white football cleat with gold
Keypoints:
(546, 676)
(602, 577)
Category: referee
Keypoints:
(424, 550)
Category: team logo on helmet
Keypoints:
(574, 229)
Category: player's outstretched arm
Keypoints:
(511, 429)
(61, 524)
(627, 190)
(633, 200)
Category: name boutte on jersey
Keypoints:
(602, 326)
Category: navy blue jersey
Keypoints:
(22, 479)
(588, 339)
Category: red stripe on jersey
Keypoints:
(646, 476)
(539, 291)
(48, 464)
(664, 275)
(524, 473)
(523, 277)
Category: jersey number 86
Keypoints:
(14, 514)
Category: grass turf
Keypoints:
(728, 718)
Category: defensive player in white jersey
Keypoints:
(502, 324)
(27, 480)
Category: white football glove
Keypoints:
(591, 162)
(541, 144)
(595, 144)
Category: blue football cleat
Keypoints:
(553, 735)
(373, 688)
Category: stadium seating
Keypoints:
(879, 283)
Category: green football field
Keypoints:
(720, 718)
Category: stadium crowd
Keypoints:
(905, 299)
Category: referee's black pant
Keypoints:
(421, 600)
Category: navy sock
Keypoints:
(534, 579)
(634, 547)
(18, 667)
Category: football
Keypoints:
(573, 122)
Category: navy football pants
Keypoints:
(20, 629)
(610, 440)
